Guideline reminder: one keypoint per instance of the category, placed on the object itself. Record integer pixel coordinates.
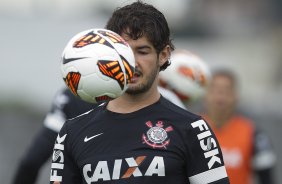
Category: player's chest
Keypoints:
(120, 137)
(114, 153)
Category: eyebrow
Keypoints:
(144, 47)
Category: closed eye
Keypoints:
(142, 52)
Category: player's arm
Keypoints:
(263, 158)
(41, 147)
(204, 158)
(36, 155)
(63, 168)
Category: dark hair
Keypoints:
(140, 19)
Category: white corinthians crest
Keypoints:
(157, 136)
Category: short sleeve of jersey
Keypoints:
(204, 158)
(264, 156)
(63, 168)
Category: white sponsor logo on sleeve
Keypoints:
(207, 143)
(58, 159)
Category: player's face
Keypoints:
(147, 65)
(221, 95)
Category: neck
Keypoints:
(220, 119)
(128, 103)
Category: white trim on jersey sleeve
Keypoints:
(209, 176)
(264, 160)
(55, 121)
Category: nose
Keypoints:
(136, 61)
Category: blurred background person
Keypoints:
(246, 149)
(65, 106)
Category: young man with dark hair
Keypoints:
(139, 137)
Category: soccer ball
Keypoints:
(97, 65)
(187, 76)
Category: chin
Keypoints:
(134, 89)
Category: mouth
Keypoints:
(136, 76)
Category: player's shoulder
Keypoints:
(177, 113)
(84, 119)
(169, 95)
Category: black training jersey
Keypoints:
(65, 106)
(161, 143)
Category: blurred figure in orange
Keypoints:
(246, 150)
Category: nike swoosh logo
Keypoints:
(86, 139)
(68, 60)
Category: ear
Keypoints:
(164, 55)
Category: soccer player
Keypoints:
(246, 149)
(139, 137)
(65, 105)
